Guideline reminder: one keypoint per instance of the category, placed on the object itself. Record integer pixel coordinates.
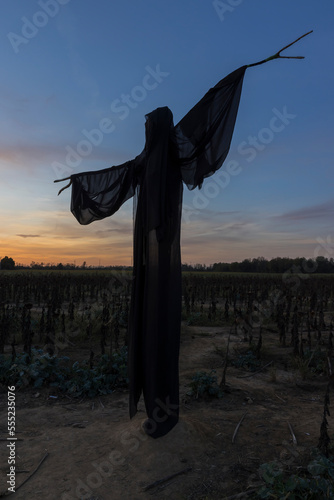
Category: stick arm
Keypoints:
(278, 54)
(61, 180)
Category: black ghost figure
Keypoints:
(186, 153)
(193, 149)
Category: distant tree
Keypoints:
(36, 265)
(259, 265)
(323, 266)
(245, 266)
(199, 267)
(7, 263)
(234, 267)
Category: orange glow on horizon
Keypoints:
(55, 251)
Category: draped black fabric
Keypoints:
(190, 151)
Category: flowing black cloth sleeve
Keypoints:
(203, 136)
(99, 194)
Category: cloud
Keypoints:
(29, 235)
(323, 210)
(23, 153)
(12, 103)
(211, 242)
(124, 228)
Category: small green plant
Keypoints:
(35, 370)
(316, 359)
(41, 369)
(205, 384)
(314, 483)
(312, 363)
(247, 360)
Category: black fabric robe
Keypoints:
(188, 152)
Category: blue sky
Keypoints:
(78, 77)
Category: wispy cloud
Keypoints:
(123, 228)
(22, 155)
(323, 210)
(214, 241)
(13, 102)
(29, 235)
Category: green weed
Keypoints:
(205, 384)
(313, 483)
(42, 370)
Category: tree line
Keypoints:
(277, 265)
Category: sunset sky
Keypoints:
(69, 67)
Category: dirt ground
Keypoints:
(93, 451)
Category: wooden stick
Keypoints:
(313, 353)
(223, 380)
(33, 472)
(237, 427)
(280, 398)
(258, 371)
(330, 371)
(278, 54)
(167, 478)
(61, 180)
(294, 439)
(242, 494)
(62, 189)
(292, 43)
(65, 179)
